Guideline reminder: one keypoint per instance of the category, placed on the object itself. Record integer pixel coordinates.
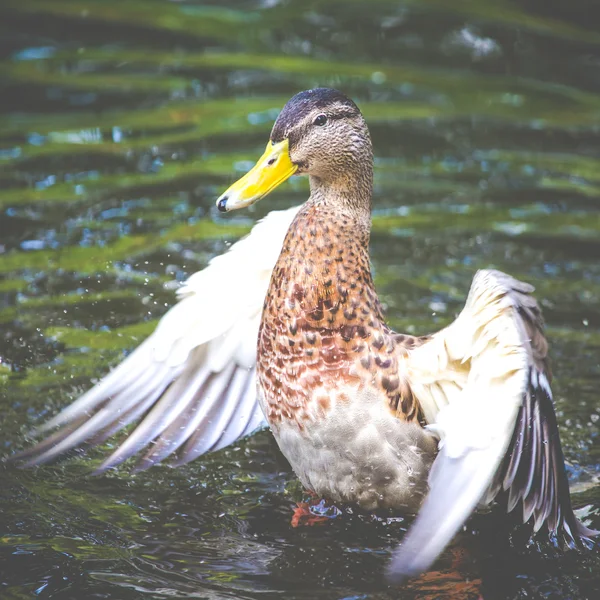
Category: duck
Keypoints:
(286, 330)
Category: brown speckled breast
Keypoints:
(322, 327)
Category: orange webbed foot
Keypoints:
(307, 514)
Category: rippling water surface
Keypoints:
(121, 121)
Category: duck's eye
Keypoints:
(320, 120)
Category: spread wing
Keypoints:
(483, 384)
(191, 384)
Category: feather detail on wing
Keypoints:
(484, 387)
(192, 382)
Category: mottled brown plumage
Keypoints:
(322, 321)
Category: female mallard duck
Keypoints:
(433, 424)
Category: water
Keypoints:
(121, 122)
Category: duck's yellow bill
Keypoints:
(273, 168)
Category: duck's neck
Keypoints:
(348, 195)
(324, 263)
(324, 259)
(322, 285)
(348, 187)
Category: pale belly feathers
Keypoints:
(358, 452)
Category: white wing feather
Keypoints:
(193, 380)
(495, 421)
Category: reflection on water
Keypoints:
(120, 122)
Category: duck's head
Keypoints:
(320, 133)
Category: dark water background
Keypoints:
(122, 120)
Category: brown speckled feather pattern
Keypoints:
(322, 323)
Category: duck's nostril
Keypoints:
(271, 161)
(222, 204)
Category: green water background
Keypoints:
(122, 121)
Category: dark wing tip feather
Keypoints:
(533, 473)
